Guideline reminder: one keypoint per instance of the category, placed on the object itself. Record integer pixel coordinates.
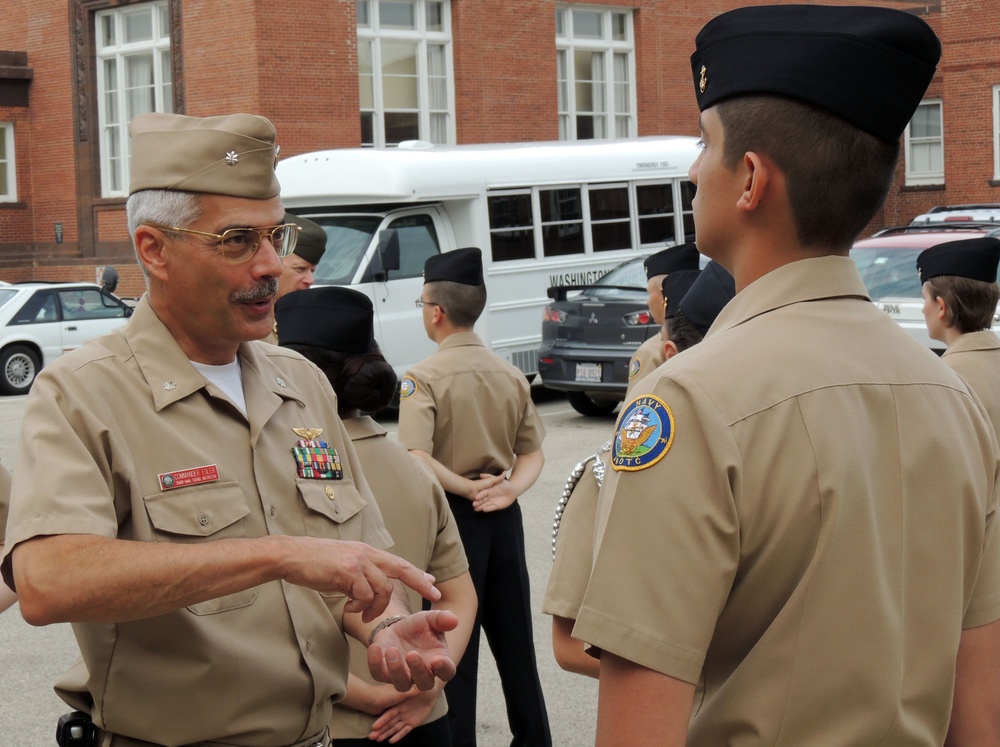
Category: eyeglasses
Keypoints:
(420, 303)
(239, 244)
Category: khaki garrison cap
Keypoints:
(229, 155)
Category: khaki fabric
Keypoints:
(976, 358)
(819, 531)
(417, 516)
(470, 409)
(574, 547)
(257, 668)
(5, 481)
(644, 361)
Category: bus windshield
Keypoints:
(347, 239)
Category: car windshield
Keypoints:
(347, 239)
(630, 274)
(6, 294)
(888, 272)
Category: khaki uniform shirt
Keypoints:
(574, 545)
(468, 408)
(644, 361)
(124, 438)
(417, 515)
(976, 358)
(807, 540)
(4, 499)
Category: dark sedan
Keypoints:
(589, 334)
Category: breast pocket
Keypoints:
(333, 509)
(198, 514)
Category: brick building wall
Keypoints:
(296, 63)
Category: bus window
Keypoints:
(347, 239)
(656, 214)
(511, 233)
(610, 223)
(417, 242)
(562, 221)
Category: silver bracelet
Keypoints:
(383, 625)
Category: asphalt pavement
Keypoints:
(33, 658)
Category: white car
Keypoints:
(41, 321)
(981, 213)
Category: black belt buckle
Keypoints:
(76, 730)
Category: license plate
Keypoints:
(589, 372)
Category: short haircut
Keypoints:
(362, 381)
(969, 304)
(462, 303)
(837, 175)
(162, 206)
(682, 332)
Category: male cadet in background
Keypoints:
(469, 414)
(683, 258)
(960, 291)
(799, 524)
(573, 530)
(189, 499)
(298, 267)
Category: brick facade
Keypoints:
(296, 63)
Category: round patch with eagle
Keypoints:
(634, 367)
(644, 434)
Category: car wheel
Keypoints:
(19, 366)
(584, 404)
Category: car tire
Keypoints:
(19, 365)
(584, 404)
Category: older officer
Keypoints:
(960, 291)
(801, 512)
(681, 260)
(189, 499)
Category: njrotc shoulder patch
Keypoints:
(407, 387)
(644, 433)
(634, 367)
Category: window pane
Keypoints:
(164, 22)
(608, 237)
(655, 199)
(365, 58)
(364, 13)
(439, 129)
(138, 26)
(106, 30)
(399, 58)
(608, 204)
(435, 16)
(401, 126)
(367, 128)
(417, 243)
(561, 239)
(656, 230)
(510, 245)
(587, 24)
(560, 23)
(926, 121)
(3, 143)
(168, 89)
(560, 204)
(619, 27)
(397, 14)
(510, 211)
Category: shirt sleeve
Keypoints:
(574, 549)
(667, 545)
(417, 412)
(530, 431)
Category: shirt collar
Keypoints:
(458, 339)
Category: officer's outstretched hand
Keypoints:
(413, 651)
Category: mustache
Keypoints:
(257, 293)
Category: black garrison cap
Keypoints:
(969, 258)
(713, 289)
(675, 286)
(672, 259)
(331, 317)
(460, 266)
(870, 66)
(312, 239)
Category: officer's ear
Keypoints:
(150, 244)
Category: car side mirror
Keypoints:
(109, 279)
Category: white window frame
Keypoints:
(8, 164)
(374, 34)
(918, 177)
(568, 42)
(996, 133)
(113, 109)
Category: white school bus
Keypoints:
(543, 213)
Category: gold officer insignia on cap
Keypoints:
(703, 83)
(309, 434)
(232, 158)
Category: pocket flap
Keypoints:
(337, 500)
(197, 511)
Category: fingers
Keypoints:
(421, 582)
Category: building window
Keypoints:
(924, 143)
(996, 133)
(405, 76)
(133, 77)
(595, 63)
(8, 173)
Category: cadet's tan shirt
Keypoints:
(976, 358)
(4, 499)
(807, 540)
(468, 408)
(574, 545)
(124, 438)
(417, 516)
(644, 361)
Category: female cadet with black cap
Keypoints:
(332, 327)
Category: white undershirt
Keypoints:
(227, 378)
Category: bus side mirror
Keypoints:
(388, 254)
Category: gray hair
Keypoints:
(163, 207)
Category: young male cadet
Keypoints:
(960, 291)
(188, 497)
(679, 260)
(298, 267)
(796, 543)
(469, 414)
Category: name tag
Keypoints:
(184, 477)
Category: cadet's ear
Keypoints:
(757, 182)
(149, 248)
(669, 349)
